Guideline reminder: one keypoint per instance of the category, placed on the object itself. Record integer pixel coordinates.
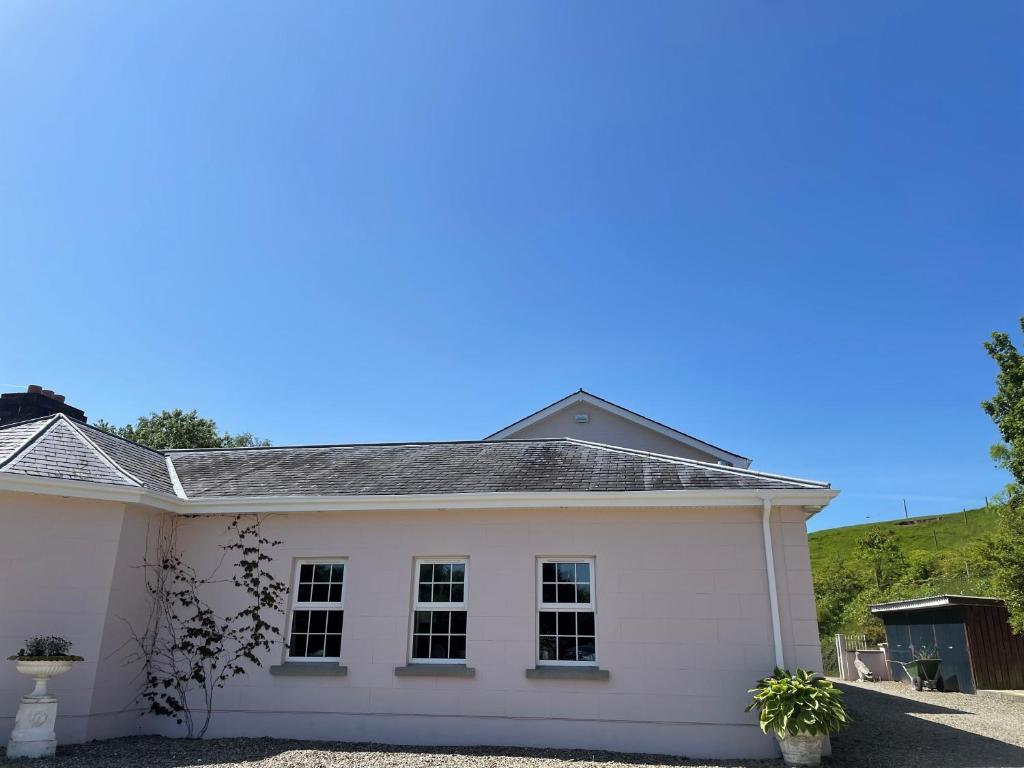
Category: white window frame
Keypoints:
(311, 606)
(450, 606)
(590, 607)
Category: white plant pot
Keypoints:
(33, 734)
(42, 671)
(802, 749)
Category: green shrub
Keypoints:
(44, 647)
(800, 703)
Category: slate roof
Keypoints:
(62, 448)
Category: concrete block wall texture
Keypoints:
(683, 625)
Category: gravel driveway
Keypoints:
(894, 726)
(898, 726)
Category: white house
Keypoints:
(541, 587)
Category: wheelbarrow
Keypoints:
(924, 673)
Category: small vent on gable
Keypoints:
(582, 418)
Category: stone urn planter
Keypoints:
(800, 710)
(803, 749)
(33, 734)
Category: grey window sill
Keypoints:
(435, 670)
(309, 669)
(567, 673)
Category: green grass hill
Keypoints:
(934, 534)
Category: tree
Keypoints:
(1006, 408)
(882, 552)
(180, 429)
(187, 649)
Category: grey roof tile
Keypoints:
(146, 464)
(464, 467)
(13, 436)
(62, 454)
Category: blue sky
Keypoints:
(786, 228)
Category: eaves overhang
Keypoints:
(813, 498)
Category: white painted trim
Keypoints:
(417, 605)
(531, 500)
(295, 605)
(591, 400)
(590, 607)
(773, 590)
(179, 490)
(81, 489)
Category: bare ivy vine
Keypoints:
(188, 651)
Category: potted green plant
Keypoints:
(800, 710)
(44, 657)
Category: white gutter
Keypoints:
(773, 590)
(367, 503)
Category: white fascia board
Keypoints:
(587, 499)
(643, 421)
(813, 497)
(80, 489)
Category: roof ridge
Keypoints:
(28, 441)
(166, 451)
(103, 454)
(27, 421)
(93, 427)
(717, 467)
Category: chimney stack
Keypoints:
(33, 403)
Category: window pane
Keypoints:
(439, 623)
(548, 650)
(567, 649)
(567, 623)
(582, 593)
(424, 593)
(458, 572)
(426, 571)
(442, 593)
(297, 646)
(567, 593)
(317, 622)
(548, 623)
(306, 572)
(458, 593)
(585, 622)
(303, 595)
(586, 649)
(547, 571)
(439, 646)
(338, 572)
(421, 646)
(300, 621)
(457, 648)
(442, 572)
(322, 573)
(566, 572)
(458, 622)
(333, 647)
(583, 573)
(421, 622)
(321, 593)
(315, 645)
(335, 593)
(335, 621)
(548, 593)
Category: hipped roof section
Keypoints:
(61, 448)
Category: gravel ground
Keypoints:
(898, 726)
(894, 726)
